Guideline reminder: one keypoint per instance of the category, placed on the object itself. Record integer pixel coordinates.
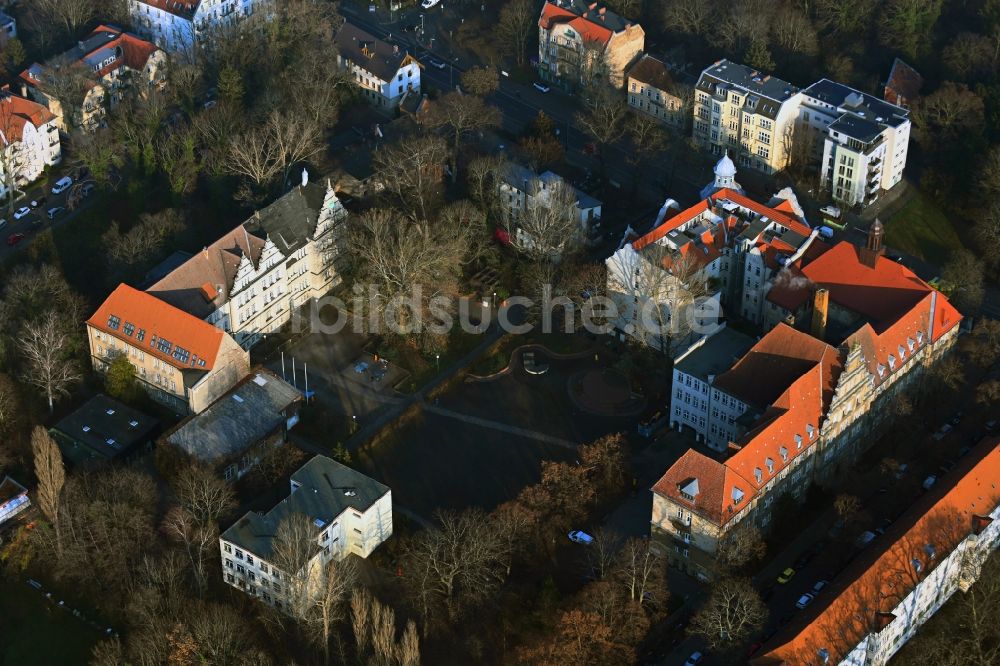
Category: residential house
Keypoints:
(30, 141)
(740, 109)
(795, 408)
(8, 28)
(383, 71)
(694, 373)
(580, 42)
(721, 253)
(249, 282)
(864, 140)
(104, 68)
(652, 91)
(13, 499)
(181, 361)
(936, 548)
(522, 189)
(178, 25)
(351, 514)
(103, 429)
(903, 86)
(241, 427)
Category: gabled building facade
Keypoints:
(181, 361)
(384, 72)
(652, 91)
(580, 41)
(29, 139)
(521, 189)
(249, 282)
(796, 408)
(351, 515)
(178, 25)
(880, 601)
(106, 66)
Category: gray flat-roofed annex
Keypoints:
(869, 107)
(716, 355)
(105, 426)
(326, 489)
(243, 416)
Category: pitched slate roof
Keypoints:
(652, 72)
(369, 52)
(158, 328)
(320, 496)
(766, 93)
(290, 221)
(243, 416)
(904, 83)
(864, 595)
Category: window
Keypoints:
(226, 547)
(239, 554)
(764, 137)
(250, 560)
(229, 563)
(231, 578)
(241, 569)
(114, 322)
(763, 152)
(128, 329)
(263, 567)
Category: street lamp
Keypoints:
(354, 423)
(437, 357)
(421, 25)
(494, 299)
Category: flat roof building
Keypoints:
(103, 429)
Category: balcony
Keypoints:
(682, 525)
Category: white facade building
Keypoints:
(177, 25)
(250, 281)
(351, 515)
(864, 140)
(522, 189)
(383, 71)
(29, 138)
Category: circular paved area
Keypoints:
(604, 391)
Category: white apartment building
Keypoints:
(383, 71)
(177, 25)
(579, 40)
(521, 189)
(863, 139)
(249, 282)
(351, 515)
(29, 138)
(747, 112)
(932, 551)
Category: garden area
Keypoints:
(923, 230)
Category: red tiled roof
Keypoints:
(158, 319)
(715, 484)
(16, 112)
(861, 597)
(588, 30)
(904, 83)
(182, 8)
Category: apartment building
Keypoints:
(805, 403)
(13, 499)
(181, 361)
(580, 42)
(177, 25)
(882, 599)
(239, 429)
(384, 72)
(351, 515)
(653, 91)
(249, 282)
(750, 113)
(729, 245)
(30, 141)
(695, 370)
(521, 189)
(862, 140)
(106, 66)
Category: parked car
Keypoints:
(866, 538)
(929, 482)
(541, 87)
(940, 434)
(818, 587)
(3, 223)
(437, 64)
(694, 659)
(578, 536)
(23, 211)
(991, 425)
(35, 203)
(62, 185)
(901, 471)
(804, 600)
(786, 575)
(427, 4)
(14, 239)
(826, 232)
(55, 212)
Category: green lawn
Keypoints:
(36, 631)
(923, 230)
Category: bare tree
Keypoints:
(46, 349)
(747, 22)
(691, 17)
(461, 114)
(793, 31)
(199, 542)
(67, 81)
(62, 17)
(516, 25)
(733, 610)
(204, 494)
(603, 117)
(333, 590)
(947, 112)
(480, 81)
(602, 553)
(512, 523)
(412, 170)
(10, 405)
(741, 545)
(844, 16)
(263, 152)
(51, 477)
(642, 572)
(548, 226)
(294, 547)
(964, 272)
(374, 626)
(456, 564)
(144, 239)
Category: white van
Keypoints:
(62, 185)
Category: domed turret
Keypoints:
(725, 177)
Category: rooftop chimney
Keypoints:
(821, 309)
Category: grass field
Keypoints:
(34, 630)
(923, 230)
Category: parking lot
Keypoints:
(31, 214)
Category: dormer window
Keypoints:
(824, 655)
(783, 452)
(811, 431)
(929, 549)
(892, 362)
(798, 442)
(758, 474)
(737, 495)
(917, 566)
(881, 370)
(920, 337)
(689, 489)
(910, 343)
(770, 465)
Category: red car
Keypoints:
(14, 239)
